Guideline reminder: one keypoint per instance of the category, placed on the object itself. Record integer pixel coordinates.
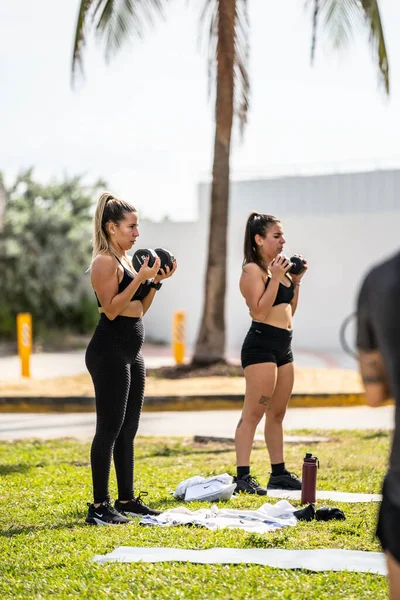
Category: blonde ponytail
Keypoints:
(109, 208)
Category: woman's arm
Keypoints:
(105, 283)
(374, 377)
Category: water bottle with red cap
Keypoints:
(309, 479)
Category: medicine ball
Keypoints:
(166, 257)
(297, 265)
(140, 256)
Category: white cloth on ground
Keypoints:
(313, 560)
(266, 518)
(211, 489)
(326, 495)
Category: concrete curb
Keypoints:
(170, 403)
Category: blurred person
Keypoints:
(378, 342)
(113, 356)
(272, 295)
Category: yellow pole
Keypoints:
(179, 336)
(24, 333)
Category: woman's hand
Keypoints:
(166, 273)
(145, 272)
(296, 278)
(279, 267)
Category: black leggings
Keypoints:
(116, 365)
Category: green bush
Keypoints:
(45, 250)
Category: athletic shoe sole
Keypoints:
(284, 489)
(95, 521)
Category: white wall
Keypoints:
(184, 291)
(342, 223)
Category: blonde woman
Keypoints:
(272, 295)
(114, 359)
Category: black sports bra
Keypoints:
(141, 292)
(285, 294)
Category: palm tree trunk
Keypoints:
(210, 345)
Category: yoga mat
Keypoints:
(326, 495)
(313, 560)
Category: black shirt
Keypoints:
(378, 328)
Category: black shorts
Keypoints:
(266, 344)
(388, 528)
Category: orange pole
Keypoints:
(24, 335)
(179, 336)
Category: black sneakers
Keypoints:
(321, 514)
(249, 485)
(305, 514)
(104, 514)
(287, 481)
(135, 507)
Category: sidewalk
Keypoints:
(60, 382)
(221, 423)
(53, 364)
(46, 365)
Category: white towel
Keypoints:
(267, 518)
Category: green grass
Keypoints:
(46, 549)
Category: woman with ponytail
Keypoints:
(271, 295)
(114, 358)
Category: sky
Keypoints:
(144, 122)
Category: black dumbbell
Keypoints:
(297, 265)
(167, 258)
(140, 256)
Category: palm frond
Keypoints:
(377, 39)
(80, 35)
(314, 29)
(209, 32)
(242, 81)
(114, 22)
(209, 24)
(341, 19)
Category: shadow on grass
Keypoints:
(24, 529)
(182, 452)
(24, 467)
(376, 435)
(16, 468)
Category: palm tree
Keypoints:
(114, 21)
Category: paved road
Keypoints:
(216, 423)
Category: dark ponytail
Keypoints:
(257, 224)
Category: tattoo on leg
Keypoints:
(373, 379)
(266, 401)
(372, 371)
(240, 422)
